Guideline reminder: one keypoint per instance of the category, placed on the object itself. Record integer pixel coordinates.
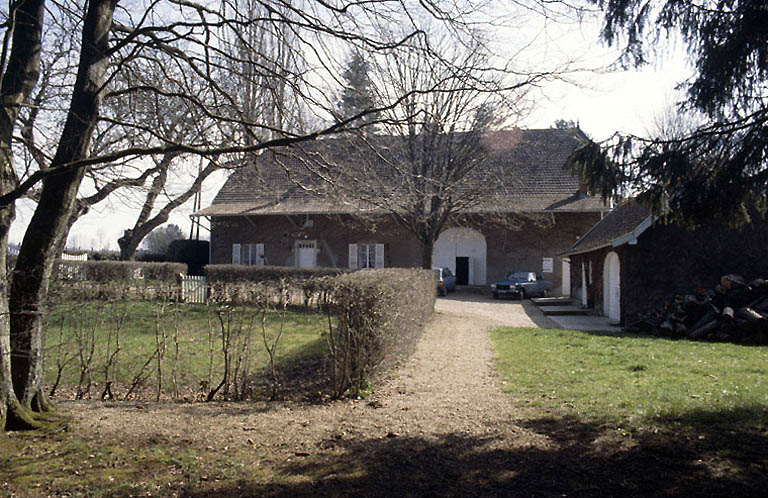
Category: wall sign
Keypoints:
(547, 265)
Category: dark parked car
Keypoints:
(522, 284)
(446, 281)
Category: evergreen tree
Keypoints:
(719, 169)
(358, 92)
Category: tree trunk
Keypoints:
(20, 77)
(29, 285)
(427, 248)
(129, 242)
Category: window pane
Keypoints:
(362, 256)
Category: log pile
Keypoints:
(735, 310)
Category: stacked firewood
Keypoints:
(735, 310)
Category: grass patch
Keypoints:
(44, 465)
(631, 381)
(188, 336)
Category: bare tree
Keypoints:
(186, 44)
(428, 165)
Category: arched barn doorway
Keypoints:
(612, 287)
(463, 250)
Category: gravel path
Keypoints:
(470, 306)
(441, 425)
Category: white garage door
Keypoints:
(461, 242)
(612, 287)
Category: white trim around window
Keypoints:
(366, 256)
(248, 254)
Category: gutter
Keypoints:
(628, 238)
(631, 237)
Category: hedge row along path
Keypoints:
(440, 426)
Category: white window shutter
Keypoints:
(353, 256)
(235, 254)
(259, 254)
(379, 255)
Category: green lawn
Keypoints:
(634, 382)
(189, 336)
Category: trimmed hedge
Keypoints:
(375, 317)
(111, 271)
(243, 273)
(381, 314)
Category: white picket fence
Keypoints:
(72, 257)
(193, 289)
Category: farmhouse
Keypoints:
(524, 210)
(630, 262)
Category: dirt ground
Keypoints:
(441, 426)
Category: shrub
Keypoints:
(151, 257)
(112, 271)
(375, 317)
(104, 255)
(380, 316)
(242, 273)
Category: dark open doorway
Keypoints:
(462, 270)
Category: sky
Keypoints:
(601, 102)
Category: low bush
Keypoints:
(62, 291)
(151, 257)
(243, 273)
(380, 315)
(104, 255)
(111, 271)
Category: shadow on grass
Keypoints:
(302, 375)
(576, 459)
(647, 335)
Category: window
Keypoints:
(366, 255)
(547, 265)
(248, 254)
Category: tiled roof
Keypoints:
(522, 171)
(628, 218)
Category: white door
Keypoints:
(307, 254)
(612, 287)
(566, 279)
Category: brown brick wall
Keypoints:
(507, 249)
(332, 233)
(595, 285)
(669, 260)
(516, 250)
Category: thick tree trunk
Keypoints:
(29, 285)
(20, 77)
(129, 245)
(427, 248)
